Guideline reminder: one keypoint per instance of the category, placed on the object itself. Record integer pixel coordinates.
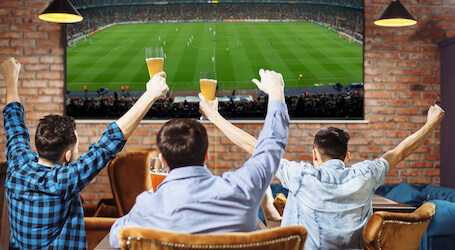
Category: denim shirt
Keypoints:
(333, 202)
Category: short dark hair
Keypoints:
(332, 143)
(183, 142)
(54, 135)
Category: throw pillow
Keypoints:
(406, 194)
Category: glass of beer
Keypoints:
(207, 81)
(157, 172)
(154, 58)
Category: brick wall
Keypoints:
(401, 82)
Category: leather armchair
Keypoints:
(390, 230)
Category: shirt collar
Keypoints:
(186, 173)
(333, 164)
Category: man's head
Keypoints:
(330, 143)
(56, 139)
(183, 142)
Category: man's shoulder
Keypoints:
(367, 163)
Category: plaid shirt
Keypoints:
(45, 209)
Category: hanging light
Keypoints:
(61, 11)
(395, 15)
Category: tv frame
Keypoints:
(232, 119)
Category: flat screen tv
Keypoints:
(317, 45)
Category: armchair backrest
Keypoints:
(129, 175)
(289, 238)
(390, 230)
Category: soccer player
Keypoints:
(45, 209)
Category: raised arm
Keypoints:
(155, 89)
(10, 70)
(209, 109)
(413, 142)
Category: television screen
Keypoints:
(317, 45)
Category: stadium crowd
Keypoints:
(342, 18)
(347, 104)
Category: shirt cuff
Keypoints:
(13, 105)
(276, 105)
(113, 131)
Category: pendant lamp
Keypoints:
(61, 11)
(395, 15)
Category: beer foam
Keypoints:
(159, 173)
(208, 80)
(154, 58)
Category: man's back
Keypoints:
(192, 200)
(332, 202)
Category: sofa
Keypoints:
(440, 233)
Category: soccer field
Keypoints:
(114, 57)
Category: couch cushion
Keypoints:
(406, 194)
(440, 193)
(443, 220)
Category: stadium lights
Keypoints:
(395, 15)
(61, 11)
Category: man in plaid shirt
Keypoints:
(45, 209)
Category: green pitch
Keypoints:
(114, 57)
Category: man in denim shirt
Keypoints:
(331, 200)
(45, 210)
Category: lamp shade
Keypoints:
(61, 11)
(395, 15)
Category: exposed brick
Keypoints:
(48, 43)
(34, 83)
(408, 79)
(48, 75)
(35, 35)
(38, 99)
(22, 43)
(408, 64)
(35, 67)
(50, 27)
(22, 27)
(23, 12)
(35, 4)
(36, 51)
(11, 51)
(10, 35)
(10, 4)
(46, 107)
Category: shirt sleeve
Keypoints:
(71, 179)
(17, 149)
(290, 174)
(257, 173)
(379, 169)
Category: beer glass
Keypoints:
(207, 81)
(157, 172)
(154, 58)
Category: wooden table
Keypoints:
(380, 203)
